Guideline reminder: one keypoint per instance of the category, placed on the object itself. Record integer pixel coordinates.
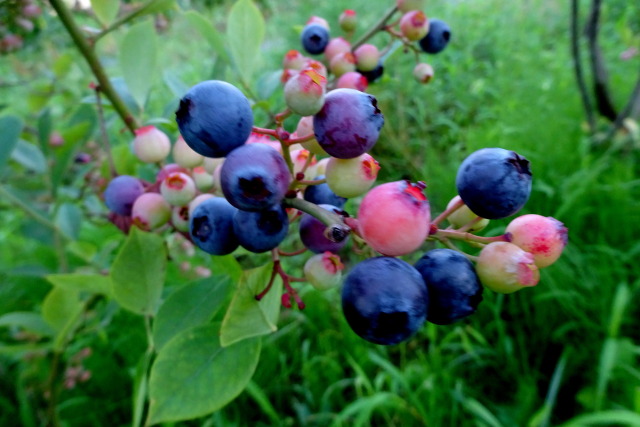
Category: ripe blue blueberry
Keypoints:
(321, 194)
(261, 231)
(384, 300)
(214, 117)
(312, 233)
(348, 124)
(494, 183)
(254, 177)
(437, 38)
(314, 38)
(121, 192)
(211, 226)
(454, 288)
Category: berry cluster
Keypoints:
(19, 21)
(235, 184)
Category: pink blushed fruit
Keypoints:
(178, 189)
(348, 20)
(353, 80)
(304, 92)
(423, 73)
(151, 145)
(394, 218)
(505, 268)
(202, 178)
(318, 20)
(168, 169)
(184, 155)
(414, 25)
(335, 46)
(150, 211)
(367, 57)
(543, 236)
(324, 271)
(180, 218)
(293, 60)
(305, 129)
(351, 177)
(342, 63)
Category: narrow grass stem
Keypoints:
(374, 29)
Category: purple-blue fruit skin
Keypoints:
(261, 231)
(437, 38)
(494, 183)
(384, 300)
(314, 38)
(312, 233)
(348, 124)
(214, 117)
(321, 194)
(254, 177)
(454, 288)
(211, 226)
(121, 192)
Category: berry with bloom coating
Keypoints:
(384, 300)
(463, 216)
(121, 193)
(494, 183)
(214, 117)
(542, 236)
(352, 177)
(414, 25)
(184, 155)
(454, 288)
(367, 57)
(314, 38)
(254, 177)
(402, 204)
(347, 20)
(211, 226)
(261, 231)
(353, 80)
(437, 38)
(324, 271)
(348, 124)
(304, 92)
(151, 145)
(342, 62)
(321, 194)
(335, 46)
(505, 268)
(178, 189)
(312, 233)
(423, 73)
(150, 211)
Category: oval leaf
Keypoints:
(138, 53)
(69, 219)
(208, 31)
(32, 322)
(60, 307)
(138, 272)
(105, 10)
(79, 282)
(245, 33)
(193, 375)
(247, 317)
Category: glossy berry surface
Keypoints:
(211, 226)
(542, 236)
(454, 288)
(352, 177)
(321, 194)
(384, 300)
(121, 192)
(505, 268)
(437, 38)
(312, 233)
(394, 217)
(261, 231)
(494, 183)
(314, 38)
(348, 124)
(254, 177)
(214, 117)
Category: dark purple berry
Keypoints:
(437, 38)
(121, 192)
(254, 177)
(214, 117)
(454, 288)
(314, 38)
(211, 226)
(321, 194)
(494, 183)
(348, 124)
(312, 233)
(384, 300)
(261, 231)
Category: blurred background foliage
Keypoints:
(563, 353)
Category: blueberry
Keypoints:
(121, 192)
(454, 288)
(314, 38)
(254, 177)
(348, 124)
(437, 38)
(494, 183)
(384, 300)
(321, 194)
(214, 117)
(312, 233)
(211, 226)
(261, 231)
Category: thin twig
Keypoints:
(577, 66)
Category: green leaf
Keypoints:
(245, 33)
(247, 317)
(228, 265)
(194, 375)
(44, 129)
(105, 10)
(68, 219)
(80, 282)
(191, 305)
(605, 418)
(124, 159)
(30, 156)
(32, 322)
(138, 272)
(208, 31)
(138, 53)
(11, 128)
(140, 388)
(60, 308)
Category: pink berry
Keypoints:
(367, 57)
(151, 145)
(168, 169)
(353, 80)
(318, 20)
(294, 60)
(317, 66)
(394, 218)
(324, 271)
(542, 236)
(351, 177)
(505, 268)
(423, 73)
(342, 62)
(348, 21)
(184, 155)
(335, 46)
(150, 211)
(414, 25)
(178, 189)
(304, 92)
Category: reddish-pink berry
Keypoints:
(353, 80)
(324, 271)
(505, 268)
(318, 20)
(414, 25)
(542, 236)
(304, 92)
(367, 57)
(335, 46)
(294, 60)
(150, 211)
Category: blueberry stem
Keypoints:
(448, 243)
(470, 224)
(294, 253)
(457, 235)
(374, 29)
(451, 209)
(328, 218)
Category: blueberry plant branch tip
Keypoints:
(331, 220)
(294, 253)
(94, 63)
(375, 28)
(470, 224)
(264, 131)
(457, 235)
(457, 205)
(281, 117)
(292, 141)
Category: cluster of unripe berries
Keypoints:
(234, 184)
(19, 21)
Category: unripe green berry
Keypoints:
(151, 145)
(348, 21)
(178, 189)
(304, 92)
(351, 177)
(324, 271)
(202, 178)
(342, 63)
(414, 25)
(180, 218)
(463, 216)
(405, 6)
(304, 129)
(184, 155)
(423, 73)
(150, 211)
(367, 57)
